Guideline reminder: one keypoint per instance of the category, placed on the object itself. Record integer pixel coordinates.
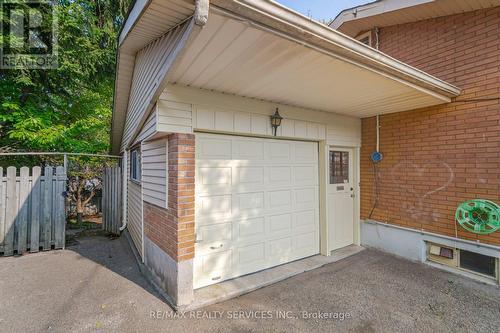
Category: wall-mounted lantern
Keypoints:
(276, 121)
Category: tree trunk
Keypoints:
(79, 218)
(79, 210)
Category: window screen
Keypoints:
(477, 263)
(339, 167)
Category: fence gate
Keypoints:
(32, 211)
(112, 199)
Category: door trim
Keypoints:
(326, 249)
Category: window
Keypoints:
(365, 38)
(135, 165)
(478, 263)
(339, 167)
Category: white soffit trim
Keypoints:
(236, 56)
(373, 8)
(382, 13)
(297, 26)
(156, 17)
(133, 16)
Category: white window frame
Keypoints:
(363, 36)
(135, 165)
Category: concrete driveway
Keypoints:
(95, 286)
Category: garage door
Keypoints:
(257, 205)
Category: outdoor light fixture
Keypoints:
(276, 121)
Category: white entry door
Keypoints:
(257, 205)
(340, 198)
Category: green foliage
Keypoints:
(68, 108)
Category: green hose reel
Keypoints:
(478, 216)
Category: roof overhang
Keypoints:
(263, 50)
(147, 21)
(383, 13)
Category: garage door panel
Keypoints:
(257, 204)
(304, 221)
(215, 232)
(215, 179)
(248, 176)
(305, 175)
(279, 175)
(214, 267)
(305, 152)
(280, 249)
(248, 204)
(248, 150)
(251, 255)
(306, 198)
(279, 224)
(249, 229)
(210, 207)
(278, 151)
(305, 243)
(215, 237)
(214, 148)
(279, 200)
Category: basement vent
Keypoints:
(442, 255)
(478, 263)
(475, 263)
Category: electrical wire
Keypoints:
(376, 186)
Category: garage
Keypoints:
(257, 205)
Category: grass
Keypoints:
(87, 225)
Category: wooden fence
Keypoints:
(32, 211)
(112, 199)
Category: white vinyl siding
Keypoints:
(176, 117)
(154, 172)
(151, 65)
(148, 129)
(134, 213)
(212, 111)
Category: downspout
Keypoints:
(124, 189)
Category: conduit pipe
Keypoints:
(378, 134)
(124, 189)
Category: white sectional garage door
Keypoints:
(257, 205)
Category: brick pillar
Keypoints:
(169, 233)
(181, 169)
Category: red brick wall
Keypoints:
(172, 229)
(437, 157)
